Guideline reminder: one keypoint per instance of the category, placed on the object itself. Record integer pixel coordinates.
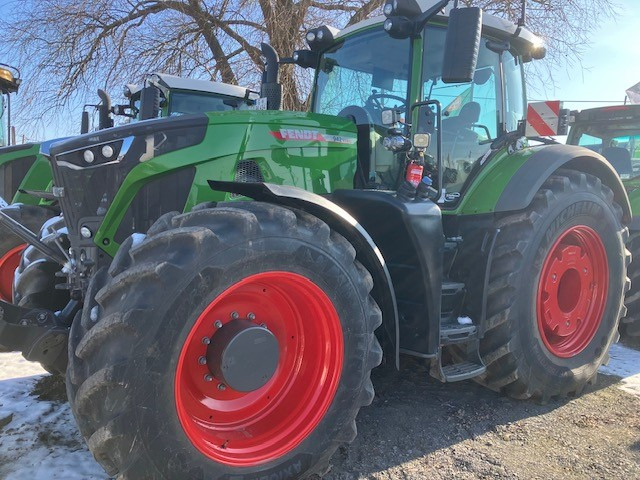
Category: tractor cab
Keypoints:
(613, 132)
(396, 84)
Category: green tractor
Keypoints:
(25, 174)
(614, 132)
(232, 278)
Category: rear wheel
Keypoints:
(630, 324)
(235, 340)
(556, 288)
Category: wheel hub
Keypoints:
(572, 291)
(243, 355)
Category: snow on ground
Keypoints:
(39, 440)
(624, 363)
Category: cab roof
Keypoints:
(190, 84)
(495, 25)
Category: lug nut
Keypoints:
(235, 315)
(208, 378)
(206, 340)
(218, 324)
(222, 387)
(202, 360)
(251, 316)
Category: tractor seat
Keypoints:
(619, 158)
(464, 121)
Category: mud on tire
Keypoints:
(125, 350)
(519, 362)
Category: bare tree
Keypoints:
(68, 48)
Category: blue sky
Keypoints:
(611, 64)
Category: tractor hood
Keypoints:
(93, 170)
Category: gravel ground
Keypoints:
(417, 428)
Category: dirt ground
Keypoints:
(418, 428)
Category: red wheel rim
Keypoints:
(246, 429)
(572, 291)
(8, 264)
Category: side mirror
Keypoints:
(84, 122)
(462, 45)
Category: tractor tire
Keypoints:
(630, 324)
(152, 379)
(547, 334)
(11, 247)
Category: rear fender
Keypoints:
(342, 222)
(527, 180)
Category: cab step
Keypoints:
(451, 333)
(464, 365)
(457, 372)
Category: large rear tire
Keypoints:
(555, 294)
(151, 379)
(630, 324)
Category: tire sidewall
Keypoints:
(155, 372)
(570, 209)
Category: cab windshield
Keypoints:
(620, 144)
(189, 102)
(368, 71)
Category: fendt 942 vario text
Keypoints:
(233, 278)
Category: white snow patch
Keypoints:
(41, 440)
(137, 239)
(465, 321)
(624, 363)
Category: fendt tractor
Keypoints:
(614, 132)
(232, 278)
(25, 174)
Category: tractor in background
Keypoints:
(232, 278)
(614, 132)
(25, 175)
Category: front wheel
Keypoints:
(233, 342)
(556, 288)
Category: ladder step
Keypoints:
(455, 333)
(462, 371)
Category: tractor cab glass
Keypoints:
(620, 146)
(359, 78)
(368, 72)
(183, 102)
(471, 112)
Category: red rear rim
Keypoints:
(572, 291)
(8, 264)
(251, 428)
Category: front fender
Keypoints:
(342, 222)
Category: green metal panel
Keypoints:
(482, 194)
(38, 178)
(311, 151)
(633, 189)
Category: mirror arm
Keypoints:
(423, 19)
(438, 106)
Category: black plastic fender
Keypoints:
(522, 187)
(346, 225)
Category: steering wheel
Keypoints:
(374, 101)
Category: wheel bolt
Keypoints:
(202, 360)
(235, 315)
(251, 316)
(208, 378)
(553, 277)
(568, 323)
(222, 387)
(206, 340)
(218, 324)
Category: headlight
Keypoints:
(94, 155)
